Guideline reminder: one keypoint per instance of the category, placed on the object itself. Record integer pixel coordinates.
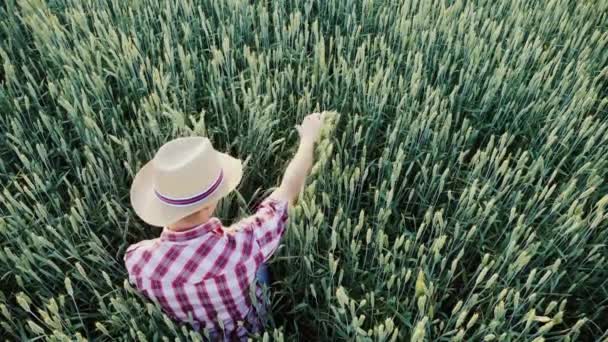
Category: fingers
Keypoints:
(313, 116)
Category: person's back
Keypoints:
(198, 270)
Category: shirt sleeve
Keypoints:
(267, 225)
(128, 260)
(132, 255)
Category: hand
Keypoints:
(311, 126)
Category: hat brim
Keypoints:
(157, 213)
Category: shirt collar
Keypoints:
(213, 224)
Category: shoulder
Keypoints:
(141, 246)
(138, 255)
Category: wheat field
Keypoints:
(459, 195)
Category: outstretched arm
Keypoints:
(299, 167)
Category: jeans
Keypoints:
(263, 276)
(258, 315)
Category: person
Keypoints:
(199, 271)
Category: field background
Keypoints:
(462, 195)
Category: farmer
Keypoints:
(198, 270)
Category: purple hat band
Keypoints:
(184, 202)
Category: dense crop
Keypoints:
(462, 195)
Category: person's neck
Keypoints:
(187, 225)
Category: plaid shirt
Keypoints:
(205, 275)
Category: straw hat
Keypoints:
(185, 175)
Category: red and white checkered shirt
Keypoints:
(206, 275)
